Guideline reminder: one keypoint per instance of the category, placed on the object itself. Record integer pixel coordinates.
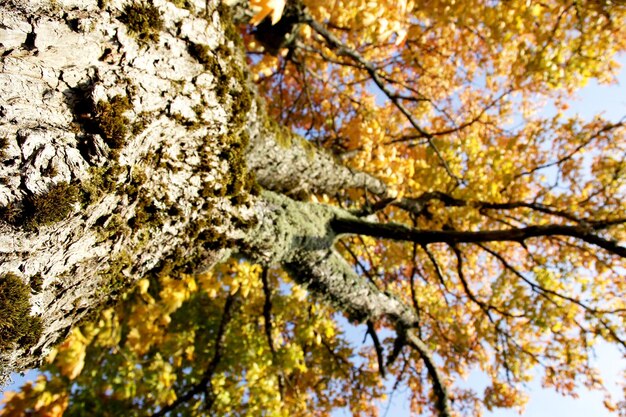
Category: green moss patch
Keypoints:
(42, 209)
(147, 215)
(142, 122)
(230, 30)
(112, 123)
(143, 20)
(4, 144)
(12, 213)
(202, 53)
(36, 283)
(102, 180)
(242, 99)
(52, 206)
(17, 326)
(114, 277)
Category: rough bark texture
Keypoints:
(302, 169)
(300, 237)
(157, 196)
(124, 152)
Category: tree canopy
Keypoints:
(498, 227)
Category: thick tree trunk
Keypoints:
(126, 130)
(123, 150)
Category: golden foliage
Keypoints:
(489, 146)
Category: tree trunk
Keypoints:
(129, 131)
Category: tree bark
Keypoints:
(127, 149)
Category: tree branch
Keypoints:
(377, 346)
(571, 154)
(442, 398)
(544, 291)
(298, 236)
(417, 205)
(394, 231)
(342, 49)
(485, 307)
(267, 316)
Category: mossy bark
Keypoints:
(102, 183)
(124, 155)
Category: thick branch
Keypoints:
(285, 162)
(394, 231)
(298, 236)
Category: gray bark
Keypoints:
(166, 166)
(299, 235)
(170, 195)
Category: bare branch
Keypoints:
(412, 274)
(457, 128)
(363, 268)
(442, 398)
(576, 150)
(377, 346)
(395, 231)
(417, 205)
(432, 259)
(485, 307)
(542, 290)
(267, 316)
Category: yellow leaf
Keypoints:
(142, 285)
(273, 7)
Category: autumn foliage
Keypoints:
(461, 108)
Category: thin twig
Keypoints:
(267, 316)
(204, 385)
